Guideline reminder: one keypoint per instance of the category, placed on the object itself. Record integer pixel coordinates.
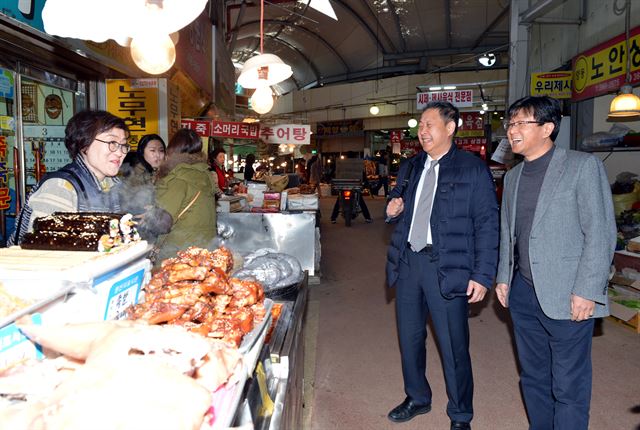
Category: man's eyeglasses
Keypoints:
(518, 124)
(114, 146)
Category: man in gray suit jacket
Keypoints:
(557, 238)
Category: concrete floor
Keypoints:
(352, 362)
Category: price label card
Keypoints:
(16, 347)
(123, 294)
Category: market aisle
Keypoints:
(352, 364)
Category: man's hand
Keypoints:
(502, 291)
(581, 309)
(475, 292)
(395, 207)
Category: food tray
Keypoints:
(250, 338)
(44, 299)
(17, 263)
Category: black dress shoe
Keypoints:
(459, 425)
(407, 410)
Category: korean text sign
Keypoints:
(235, 130)
(136, 101)
(203, 128)
(458, 98)
(552, 84)
(288, 134)
(602, 69)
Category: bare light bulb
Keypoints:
(154, 53)
(374, 110)
(412, 122)
(262, 100)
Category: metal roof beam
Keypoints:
(302, 29)
(539, 10)
(491, 26)
(447, 21)
(388, 71)
(444, 52)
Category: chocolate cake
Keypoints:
(87, 231)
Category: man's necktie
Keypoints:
(418, 238)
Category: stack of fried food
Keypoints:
(194, 290)
(117, 375)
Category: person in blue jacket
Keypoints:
(443, 255)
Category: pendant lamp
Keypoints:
(626, 105)
(264, 69)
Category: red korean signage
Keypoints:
(472, 125)
(473, 144)
(410, 147)
(203, 128)
(396, 136)
(602, 69)
(235, 130)
(5, 199)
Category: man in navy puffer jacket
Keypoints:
(442, 262)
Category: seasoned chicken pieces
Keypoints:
(193, 290)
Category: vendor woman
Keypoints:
(217, 165)
(97, 142)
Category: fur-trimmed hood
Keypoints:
(174, 159)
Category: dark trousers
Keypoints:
(555, 361)
(361, 202)
(418, 297)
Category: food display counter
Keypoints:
(291, 233)
(274, 394)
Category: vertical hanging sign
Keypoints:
(136, 101)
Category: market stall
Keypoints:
(200, 327)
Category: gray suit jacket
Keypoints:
(573, 234)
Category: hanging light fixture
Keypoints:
(154, 54)
(264, 69)
(145, 25)
(412, 122)
(625, 105)
(374, 110)
(262, 100)
(487, 60)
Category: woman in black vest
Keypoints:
(97, 142)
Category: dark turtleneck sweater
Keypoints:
(528, 192)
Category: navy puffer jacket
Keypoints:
(464, 221)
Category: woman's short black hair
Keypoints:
(543, 108)
(83, 127)
(142, 144)
(185, 141)
(217, 152)
(250, 159)
(448, 112)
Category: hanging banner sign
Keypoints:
(5, 198)
(135, 101)
(552, 84)
(289, 134)
(458, 98)
(472, 125)
(410, 147)
(396, 136)
(602, 69)
(235, 130)
(203, 128)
